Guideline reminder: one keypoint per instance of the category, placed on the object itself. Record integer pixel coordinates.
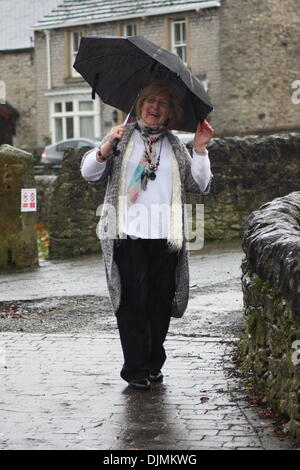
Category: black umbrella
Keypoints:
(119, 68)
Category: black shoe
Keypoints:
(141, 384)
(156, 376)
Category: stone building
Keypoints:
(17, 65)
(72, 112)
(246, 52)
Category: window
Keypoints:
(178, 38)
(129, 29)
(63, 120)
(74, 116)
(75, 37)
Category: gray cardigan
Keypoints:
(111, 178)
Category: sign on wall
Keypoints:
(28, 200)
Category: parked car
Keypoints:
(53, 154)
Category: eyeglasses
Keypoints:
(161, 103)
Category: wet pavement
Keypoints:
(60, 358)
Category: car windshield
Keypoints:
(65, 145)
(84, 143)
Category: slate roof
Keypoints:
(76, 12)
(16, 20)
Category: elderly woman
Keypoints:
(142, 225)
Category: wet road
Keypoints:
(59, 289)
(214, 264)
(60, 358)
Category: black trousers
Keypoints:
(147, 270)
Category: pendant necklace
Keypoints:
(152, 166)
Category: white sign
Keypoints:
(28, 200)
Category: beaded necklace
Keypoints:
(150, 135)
(152, 166)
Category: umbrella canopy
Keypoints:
(119, 68)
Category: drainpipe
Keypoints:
(49, 82)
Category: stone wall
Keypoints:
(271, 280)
(72, 216)
(18, 239)
(45, 185)
(247, 172)
(203, 29)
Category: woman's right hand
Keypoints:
(116, 133)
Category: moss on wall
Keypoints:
(271, 304)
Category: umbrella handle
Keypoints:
(133, 104)
(127, 117)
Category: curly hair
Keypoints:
(167, 89)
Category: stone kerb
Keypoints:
(72, 215)
(271, 288)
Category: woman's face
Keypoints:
(156, 110)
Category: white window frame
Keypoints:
(73, 52)
(183, 42)
(132, 25)
(74, 96)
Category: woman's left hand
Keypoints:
(203, 134)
